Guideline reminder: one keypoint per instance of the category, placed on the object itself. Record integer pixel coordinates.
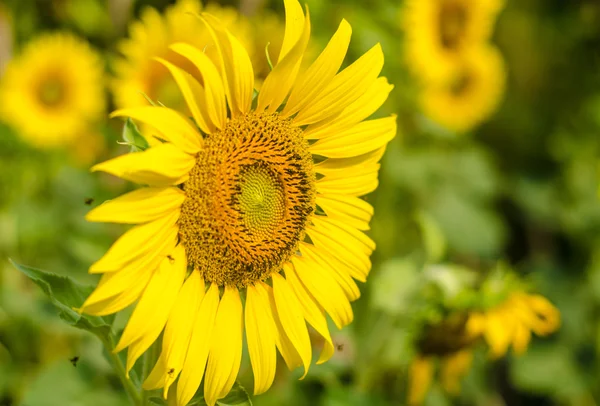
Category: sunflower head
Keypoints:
(240, 204)
(53, 91)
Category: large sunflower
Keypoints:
(255, 201)
(438, 32)
(472, 95)
(53, 90)
(137, 73)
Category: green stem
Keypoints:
(130, 388)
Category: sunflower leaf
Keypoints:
(133, 137)
(236, 397)
(66, 295)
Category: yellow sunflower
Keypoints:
(449, 343)
(139, 75)
(438, 32)
(513, 321)
(53, 90)
(470, 97)
(246, 225)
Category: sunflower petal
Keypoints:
(325, 290)
(200, 341)
(313, 313)
(260, 336)
(350, 209)
(355, 239)
(294, 27)
(152, 311)
(236, 67)
(192, 93)
(280, 80)
(214, 91)
(345, 88)
(292, 319)
(140, 206)
(161, 165)
(420, 376)
(172, 126)
(140, 245)
(226, 347)
(318, 75)
(357, 140)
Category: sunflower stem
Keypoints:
(119, 368)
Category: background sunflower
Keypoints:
(518, 186)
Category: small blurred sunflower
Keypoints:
(53, 91)
(240, 205)
(512, 322)
(438, 32)
(137, 72)
(471, 96)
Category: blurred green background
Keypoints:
(522, 188)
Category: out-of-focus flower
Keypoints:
(472, 96)
(513, 321)
(449, 343)
(54, 90)
(232, 196)
(137, 72)
(439, 32)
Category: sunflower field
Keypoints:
(284, 202)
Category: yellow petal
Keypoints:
(354, 238)
(161, 165)
(341, 165)
(178, 331)
(150, 314)
(140, 206)
(353, 181)
(260, 336)
(341, 276)
(499, 332)
(359, 139)
(120, 301)
(344, 89)
(292, 319)
(214, 92)
(547, 316)
(318, 75)
(226, 347)
(114, 283)
(280, 80)
(362, 108)
(325, 290)
(522, 336)
(172, 126)
(140, 245)
(454, 367)
(313, 313)
(200, 341)
(352, 210)
(192, 93)
(420, 375)
(294, 27)
(284, 345)
(236, 67)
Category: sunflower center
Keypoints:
(452, 23)
(462, 84)
(248, 200)
(51, 92)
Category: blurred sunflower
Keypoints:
(139, 75)
(438, 32)
(513, 321)
(470, 97)
(53, 90)
(449, 342)
(237, 205)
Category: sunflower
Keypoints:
(53, 91)
(449, 343)
(512, 322)
(252, 218)
(438, 32)
(470, 97)
(139, 75)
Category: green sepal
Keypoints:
(132, 137)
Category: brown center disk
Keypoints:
(249, 198)
(453, 19)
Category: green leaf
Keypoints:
(433, 238)
(132, 137)
(66, 295)
(236, 397)
(155, 400)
